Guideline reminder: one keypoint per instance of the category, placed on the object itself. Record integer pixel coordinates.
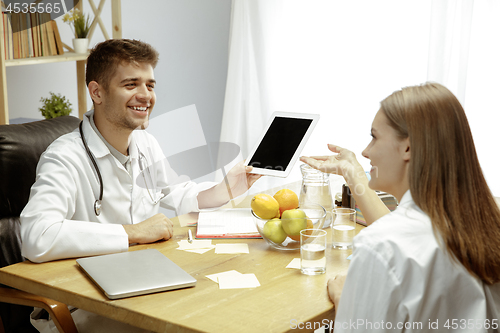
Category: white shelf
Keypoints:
(67, 56)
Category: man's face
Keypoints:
(130, 97)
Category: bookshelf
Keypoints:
(79, 59)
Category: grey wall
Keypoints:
(192, 38)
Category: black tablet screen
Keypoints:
(280, 143)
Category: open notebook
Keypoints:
(227, 223)
(135, 273)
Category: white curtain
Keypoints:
(464, 53)
(449, 44)
(340, 58)
(246, 106)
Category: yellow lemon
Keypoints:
(265, 206)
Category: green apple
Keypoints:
(273, 231)
(293, 221)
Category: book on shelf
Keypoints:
(36, 35)
(44, 43)
(57, 37)
(8, 43)
(28, 35)
(9, 40)
(51, 39)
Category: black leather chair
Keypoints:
(20, 149)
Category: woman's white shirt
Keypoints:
(59, 219)
(400, 279)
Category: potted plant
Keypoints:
(80, 25)
(55, 106)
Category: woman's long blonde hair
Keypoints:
(446, 180)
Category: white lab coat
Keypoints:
(400, 280)
(59, 219)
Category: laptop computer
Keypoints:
(134, 273)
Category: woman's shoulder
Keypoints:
(403, 234)
(406, 222)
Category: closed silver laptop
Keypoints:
(135, 273)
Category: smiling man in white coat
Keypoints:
(98, 189)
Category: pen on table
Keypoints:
(190, 236)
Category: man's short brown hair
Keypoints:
(106, 56)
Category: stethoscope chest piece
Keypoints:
(97, 207)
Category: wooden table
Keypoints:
(285, 300)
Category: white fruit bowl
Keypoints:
(316, 213)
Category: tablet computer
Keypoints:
(281, 143)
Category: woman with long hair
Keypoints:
(434, 263)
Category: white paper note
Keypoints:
(199, 251)
(295, 263)
(215, 277)
(238, 281)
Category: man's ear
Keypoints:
(95, 92)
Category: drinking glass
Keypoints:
(312, 251)
(344, 223)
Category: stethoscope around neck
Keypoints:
(98, 202)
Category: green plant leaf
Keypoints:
(55, 106)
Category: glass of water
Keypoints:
(313, 251)
(344, 223)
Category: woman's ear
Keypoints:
(95, 92)
(406, 149)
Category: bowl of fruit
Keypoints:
(279, 219)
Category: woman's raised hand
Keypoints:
(344, 163)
